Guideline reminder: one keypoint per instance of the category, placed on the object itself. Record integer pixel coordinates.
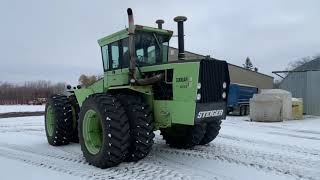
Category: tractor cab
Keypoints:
(151, 48)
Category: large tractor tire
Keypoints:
(59, 120)
(183, 136)
(212, 131)
(141, 126)
(103, 131)
(75, 113)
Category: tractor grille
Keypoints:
(212, 75)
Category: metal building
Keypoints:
(238, 74)
(304, 82)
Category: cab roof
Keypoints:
(124, 34)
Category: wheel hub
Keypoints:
(50, 120)
(92, 132)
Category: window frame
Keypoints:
(120, 54)
(105, 66)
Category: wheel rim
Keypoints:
(50, 122)
(92, 132)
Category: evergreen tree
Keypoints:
(248, 64)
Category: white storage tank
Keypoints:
(265, 108)
(286, 98)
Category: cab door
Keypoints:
(115, 74)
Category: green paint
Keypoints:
(74, 118)
(50, 120)
(141, 89)
(179, 110)
(113, 37)
(97, 87)
(82, 94)
(124, 34)
(92, 131)
(173, 112)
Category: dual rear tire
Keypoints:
(183, 136)
(60, 120)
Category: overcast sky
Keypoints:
(57, 40)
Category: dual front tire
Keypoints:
(113, 129)
(103, 130)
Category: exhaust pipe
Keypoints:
(132, 46)
(180, 20)
(159, 22)
(132, 53)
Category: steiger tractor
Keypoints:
(114, 119)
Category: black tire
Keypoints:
(241, 111)
(141, 125)
(115, 130)
(245, 110)
(212, 131)
(62, 117)
(75, 112)
(183, 136)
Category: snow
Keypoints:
(17, 170)
(243, 150)
(21, 108)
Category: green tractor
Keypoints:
(114, 119)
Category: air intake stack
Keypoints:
(180, 20)
(159, 22)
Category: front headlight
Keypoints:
(224, 95)
(199, 85)
(224, 85)
(198, 97)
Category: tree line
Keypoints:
(36, 91)
(29, 91)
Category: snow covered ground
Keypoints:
(243, 150)
(21, 108)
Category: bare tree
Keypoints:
(295, 64)
(86, 81)
(29, 91)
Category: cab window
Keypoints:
(115, 59)
(125, 53)
(105, 57)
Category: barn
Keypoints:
(304, 82)
(238, 74)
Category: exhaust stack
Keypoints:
(180, 20)
(132, 53)
(159, 22)
(131, 29)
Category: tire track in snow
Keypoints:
(281, 128)
(197, 173)
(77, 166)
(295, 135)
(285, 165)
(288, 148)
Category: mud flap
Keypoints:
(206, 112)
